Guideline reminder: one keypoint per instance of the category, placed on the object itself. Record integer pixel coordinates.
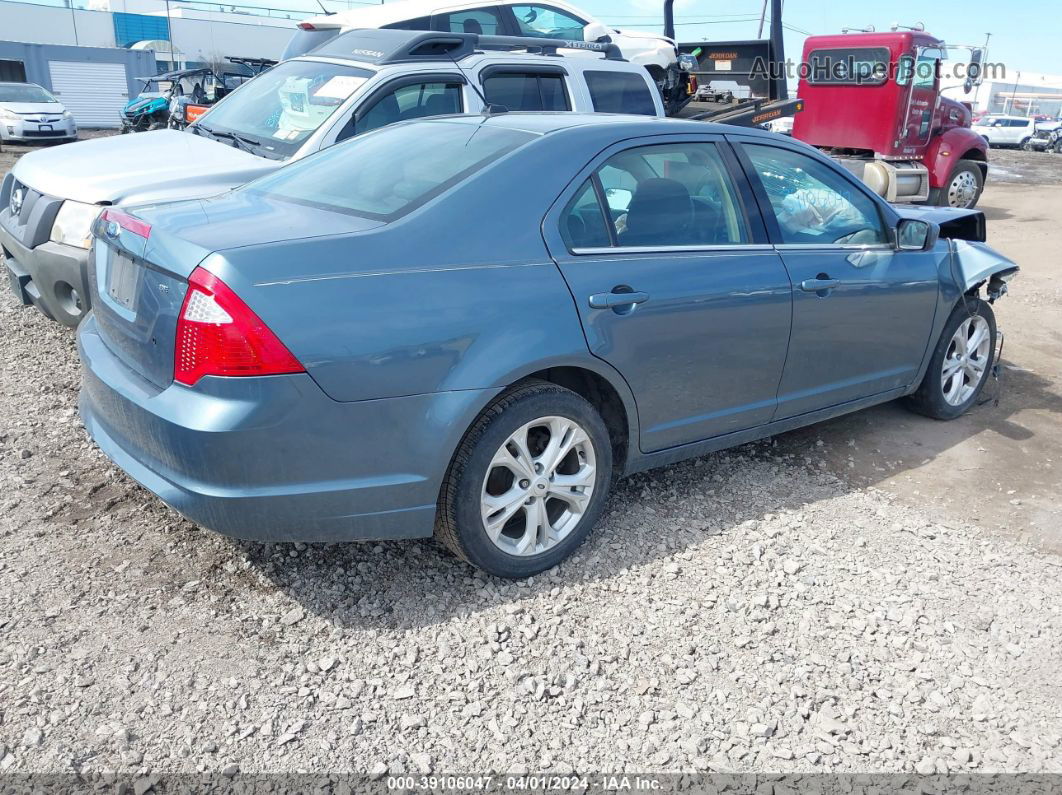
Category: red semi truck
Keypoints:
(872, 101)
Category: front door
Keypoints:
(862, 311)
(667, 262)
(920, 75)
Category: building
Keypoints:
(91, 57)
(1013, 93)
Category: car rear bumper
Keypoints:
(52, 276)
(273, 458)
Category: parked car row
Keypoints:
(508, 284)
(1029, 133)
(357, 82)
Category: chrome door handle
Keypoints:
(817, 285)
(612, 300)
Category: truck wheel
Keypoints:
(528, 482)
(962, 189)
(961, 363)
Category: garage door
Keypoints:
(94, 92)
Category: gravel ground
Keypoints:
(747, 611)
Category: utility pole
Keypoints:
(778, 87)
(73, 20)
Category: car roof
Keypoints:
(373, 16)
(379, 48)
(624, 125)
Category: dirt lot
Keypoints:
(878, 593)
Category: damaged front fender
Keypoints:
(976, 264)
(973, 262)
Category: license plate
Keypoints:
(121, 280)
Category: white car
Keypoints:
(553, 20)
(1005, 130)
(29, 113)
(782, 126)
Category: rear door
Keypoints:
(668, 263)
(862, 311)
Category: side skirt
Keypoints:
(639, 462)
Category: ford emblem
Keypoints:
(16, 201)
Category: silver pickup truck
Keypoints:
(357, 82)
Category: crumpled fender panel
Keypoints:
(976, 261)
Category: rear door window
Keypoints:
(546, 22)
(484, 21)
(620, 92)
(659, 196)
(532, 91)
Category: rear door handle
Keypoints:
(612, 300)
(816, 285)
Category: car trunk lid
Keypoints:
(139, 282)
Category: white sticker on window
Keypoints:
(339, 87)
(722, 66)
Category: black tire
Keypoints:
(1024, 144)
(459, 524)
(938, 197)
(929, 399)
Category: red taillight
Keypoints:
(307, 26)
(126, 222)
(218, 334)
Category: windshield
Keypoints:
(24, 92)
(278, 110)
(392, 171)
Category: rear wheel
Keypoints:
(528, 482)
(1025, 144)
(963, 188)
(961, 362)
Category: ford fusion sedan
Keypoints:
(467, 327)
(30, 113)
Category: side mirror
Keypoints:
(974, 75)
(595, 31)
(915, 235)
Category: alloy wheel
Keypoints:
(538, 486)
(966, 361)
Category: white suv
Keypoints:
(357, 82)
(551, 20)
(1005, 130)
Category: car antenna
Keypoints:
(327, 13)
(488, 108)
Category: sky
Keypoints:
(1026, 34)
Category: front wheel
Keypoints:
(963, 188)
(961, 362)
(527, 483)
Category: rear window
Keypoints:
(390, 172)
(620, 92)
(305, 40)
(527, 91)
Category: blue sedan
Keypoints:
(467, 327)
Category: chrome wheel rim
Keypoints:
(966, 361)
(962, 190)
(538, 486)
